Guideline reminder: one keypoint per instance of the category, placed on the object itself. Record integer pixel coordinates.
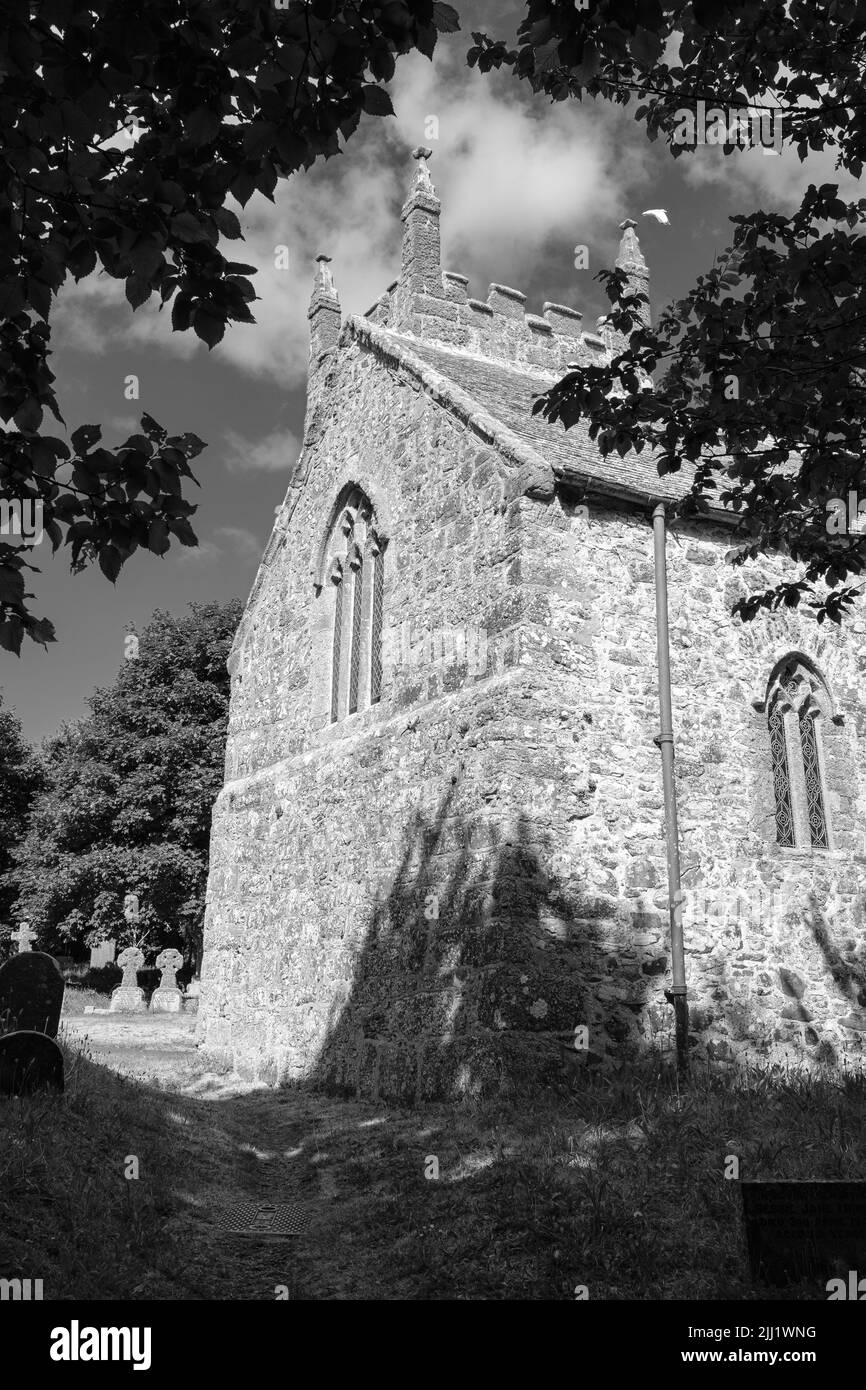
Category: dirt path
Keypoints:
(340, 1163)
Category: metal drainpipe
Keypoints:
(676, 995)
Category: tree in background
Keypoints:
(126, 806)
(760, 369)
(211, 98)
(20, 779)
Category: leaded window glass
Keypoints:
(355, 551)
(796, 702)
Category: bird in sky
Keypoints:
(659, 214)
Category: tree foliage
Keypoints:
(20, 780)
(760, 368)
(212, 98)
(127, 802)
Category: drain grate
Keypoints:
(263, 1219)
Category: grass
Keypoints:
(618, 1185)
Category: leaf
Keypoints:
(138, 290)
(245, 53)
(646, 46)
(28, 417)
(11, 632)
(187, 228)
(146, 257)
(39, 296)
(152, 428)
(376, 101)
(208, 326)
(157, 537)
(446, 19)
(181, 313)
(227, 222)
(42, 631)
(243, 186)
(110, 562)
(12, 298)
(202, 126)
(11, 585)
(85, 437)
(258, 139)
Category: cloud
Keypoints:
(242, 542)
(235, 541)
(276, 453)
(516, 176)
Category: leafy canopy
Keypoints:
(125, 128)
(760, 368)
(128, 795)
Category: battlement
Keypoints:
(435, 306)
(498, 327)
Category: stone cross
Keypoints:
(169, 962)
(24, 936)
(130, 961)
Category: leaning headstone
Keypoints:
(102, 955)
(797, 1230)
(29, 1062)
(167, 999)
(128, 998)
(31, 994)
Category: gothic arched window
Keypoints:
(355, 575)
(796, 702)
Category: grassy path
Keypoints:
(618, 1187)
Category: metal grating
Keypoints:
(355, 667)
(814, 795)
(376, 633)
(263, 1219)
(781, 779)
(335, 660)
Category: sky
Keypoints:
(522, 182)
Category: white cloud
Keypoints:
(242, 542)
(513, 171)
(276, 453)
(205, 553)
(236, 541)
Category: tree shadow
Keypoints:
(480, 971)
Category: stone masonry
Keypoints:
(436, 893)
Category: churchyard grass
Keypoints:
(616, 1186)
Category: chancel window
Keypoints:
(796, 704)
(355, 580)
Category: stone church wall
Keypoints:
(774, 939)
(372, 886)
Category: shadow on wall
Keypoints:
(845, 965)
(477, 968)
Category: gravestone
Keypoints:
(128, 998)
(167, 999)
(29, 1062)
(24, 936)
(798, 1230)
(102, 955)
(31, 994)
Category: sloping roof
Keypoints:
(499, 397)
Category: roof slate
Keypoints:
(505, 394)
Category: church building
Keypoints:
(438, 862)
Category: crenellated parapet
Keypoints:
(436, 306)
